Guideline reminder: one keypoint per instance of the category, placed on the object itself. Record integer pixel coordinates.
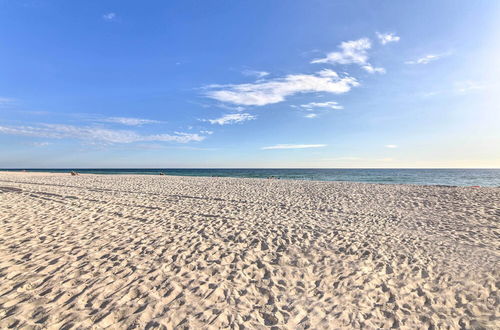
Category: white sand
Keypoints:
(99, 251)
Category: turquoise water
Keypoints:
(450, 177)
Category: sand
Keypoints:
(124, 251)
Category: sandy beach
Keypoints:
(130, 251)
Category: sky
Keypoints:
(274, 84)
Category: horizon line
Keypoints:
(248, 168)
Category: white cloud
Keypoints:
(276, 90)
(386, 38)
(328, 73)
(425, 59)
(391, 146)
(352, 52)
(129, 121)
(294, 146)
(329, 105)
(109, 17)
(370, 69)
(232, 118)
(311, 115)
(95, 134)
(255, 73)
(207, 132)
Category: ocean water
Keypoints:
(450, 177)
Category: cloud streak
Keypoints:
(5, 100)
(277, 90)
(468, 85)
(325, 105)
(426, 59)
(40, 144)
(129, 121)
(232, 119)
(92, 134)
(255, 73)
(293, 146)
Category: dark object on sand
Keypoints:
(161, 173)
(73, 173)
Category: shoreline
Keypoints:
(40, 173)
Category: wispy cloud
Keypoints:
(129, 121)
(430, 94)
(158, 146)
(352, 52)
(255, 73)
(40, 144)
(468, 86)
(109, 17)
(92, 134)
(4, 100)
(386, 38)
(276, 90)
(312, 106)
(229, 107)
(231, 118)
(426, 59)
(294, 146)
(218, 105)
(326, 105)
(461, 87)
(391, 146)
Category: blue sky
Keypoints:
(249, 83)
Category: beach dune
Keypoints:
(131, 251)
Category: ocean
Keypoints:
(449, 177)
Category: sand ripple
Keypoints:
(98, 251)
